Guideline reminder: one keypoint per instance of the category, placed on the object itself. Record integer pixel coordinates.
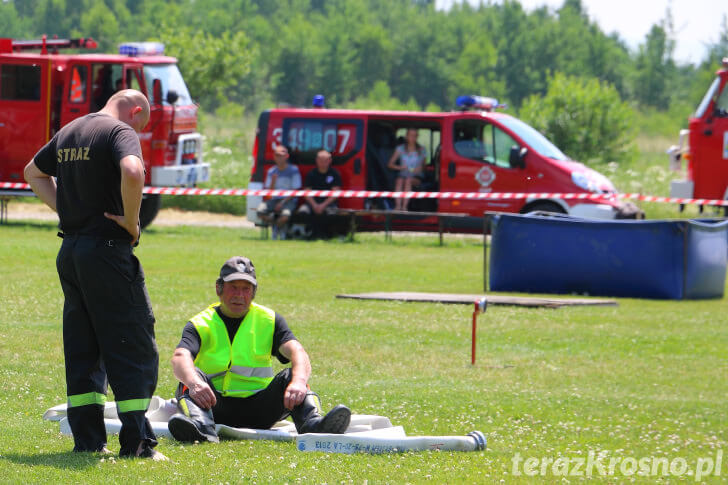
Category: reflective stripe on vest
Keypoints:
(243, 367)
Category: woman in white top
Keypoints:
(411, 157)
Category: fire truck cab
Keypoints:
(42, 91)
(473, 149)
(704, 145)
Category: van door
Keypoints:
(476, 158)
(24, 112)
(76, 94)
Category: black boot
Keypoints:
(307, 417)
(193, 423)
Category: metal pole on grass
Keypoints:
(479, 307)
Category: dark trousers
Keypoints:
(320, 223)
(259, 411)
(108, 331)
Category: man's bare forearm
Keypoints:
(42, 185)
(184, 367)
(300, 364)
(132, 184)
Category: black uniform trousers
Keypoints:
(108, 331)
(259, 411)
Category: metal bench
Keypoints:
(6, 196)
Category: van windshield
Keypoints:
(171, 78)
(707, 98)
(533, 138)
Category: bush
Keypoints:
(585, 118)
(229, 135)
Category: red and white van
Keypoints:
(472, 150)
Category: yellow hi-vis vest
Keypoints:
(243, 367)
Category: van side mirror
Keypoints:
(156, 91)
(172, 96)
(517, 157)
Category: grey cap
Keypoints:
(238, 268)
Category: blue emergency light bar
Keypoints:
(136, 49)
(478, 102)
(319, 101)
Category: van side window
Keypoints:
(484, 142)
(77, 93)
(20, 82)
(306, 137)
(721, 104)
(503, 142)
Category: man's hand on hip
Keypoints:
(132, 227)
(295, 394)
(202, 394)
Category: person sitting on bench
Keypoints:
(323, 177)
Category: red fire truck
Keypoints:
(704, 145)
(42, 91)
(473, 149)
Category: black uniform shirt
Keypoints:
(192, 342)
(316, 180)
(84, 156)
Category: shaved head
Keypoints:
(129, 106)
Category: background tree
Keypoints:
(585, 118)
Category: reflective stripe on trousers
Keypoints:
(86, 399)
(130, 405)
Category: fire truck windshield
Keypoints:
(170, 78)
(533, 138)
(707, 98)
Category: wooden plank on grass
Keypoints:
(458, 298)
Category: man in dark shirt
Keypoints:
(323, 177)
(108, 323)
(223, 362)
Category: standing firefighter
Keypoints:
(224, 363)
(108, 324)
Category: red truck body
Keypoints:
(704, 146)
(42, 91)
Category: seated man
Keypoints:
(323, 177)
(233, 383)
(282, 176)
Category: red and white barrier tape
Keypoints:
(361, 194)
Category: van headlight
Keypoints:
(583, 181)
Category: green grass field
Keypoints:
(644, 379)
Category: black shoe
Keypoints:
(184, 429)
(335, 422)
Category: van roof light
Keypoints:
(136, 49)
(482, 103)
(319, 101)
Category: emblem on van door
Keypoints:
(485, 176)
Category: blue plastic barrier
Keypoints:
(672, 259)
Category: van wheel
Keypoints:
(150, 207)
(543, 207)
